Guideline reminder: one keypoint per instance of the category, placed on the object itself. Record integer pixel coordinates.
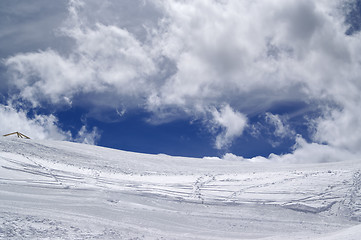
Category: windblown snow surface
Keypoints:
(62, 190)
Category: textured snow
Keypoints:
(63, 190)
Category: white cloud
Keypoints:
(232, 124)
(87, 137)
(313, 152)
(282, 129)
(232, 157)
(37, 127)
(236, 58)
(254, 54)
(40, 126)
(303, 152)
(106, 60)
(341, 128)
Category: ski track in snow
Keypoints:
(62, 190)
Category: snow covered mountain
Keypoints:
(63, 190)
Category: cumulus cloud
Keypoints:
(107, 60)
(314, 152)
(303, 152)
(232, 157)
(41, 126)
(340, 128)
(37, 127)
(219, 61)
(231, 122)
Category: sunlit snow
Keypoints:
(63, 190)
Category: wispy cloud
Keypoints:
(279, 128)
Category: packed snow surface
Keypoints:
(62, 190)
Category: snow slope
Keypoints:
(62, 190)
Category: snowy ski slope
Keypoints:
(63, 190)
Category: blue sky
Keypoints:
(263, 80)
